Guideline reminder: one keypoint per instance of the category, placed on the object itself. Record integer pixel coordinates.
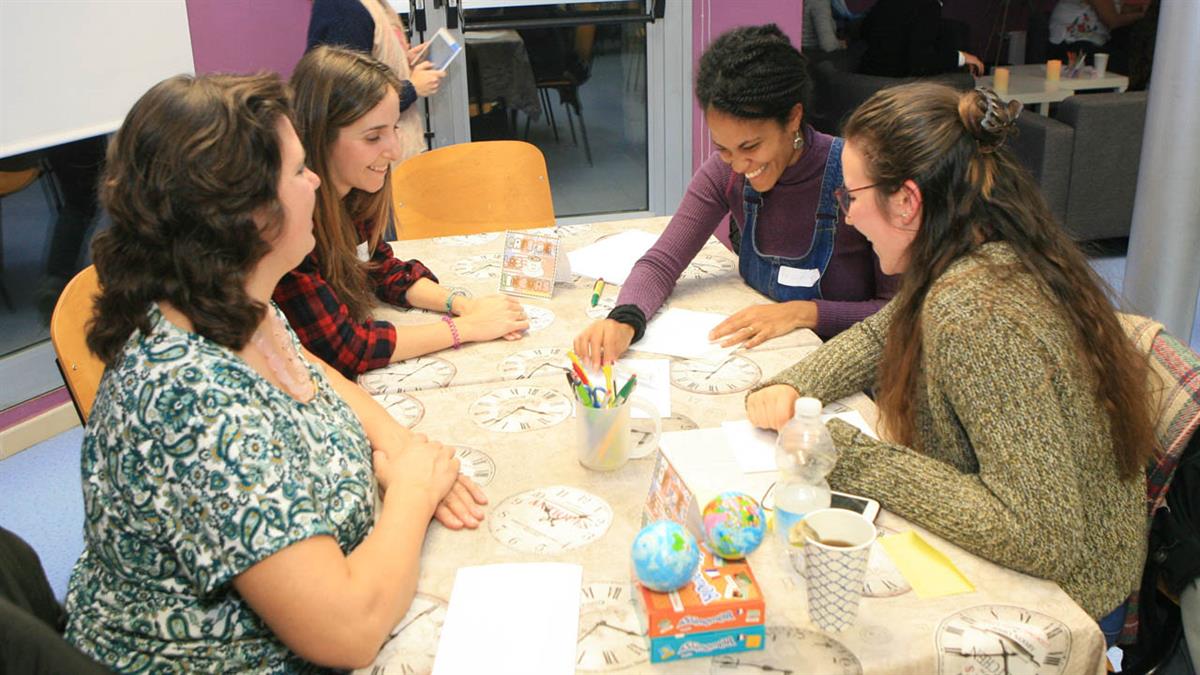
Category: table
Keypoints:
(1028, 84)
(499, 68)
(896, 632)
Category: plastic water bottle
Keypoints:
(805, 455)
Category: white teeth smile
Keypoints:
(378, 170)
(757, 172)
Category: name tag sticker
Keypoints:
(799, 276)
(364, 252)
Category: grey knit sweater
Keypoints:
(1016, 463)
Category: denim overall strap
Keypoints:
(761, 272)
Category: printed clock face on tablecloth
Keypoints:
(539, 317)
(791, 650)
(562, 230)
(471, 239)
(1002, 639)
(707, 266)
(536, 362)
(550, 520)
(423, 372)
(610, 636)
(513, 409)
(412, 644)
(733, 374)
(475, 464)
(486, 266)
(403, 408)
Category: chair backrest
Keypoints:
(80, 368)
(472, 187)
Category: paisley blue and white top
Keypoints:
(195, 468)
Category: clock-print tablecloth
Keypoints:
(506, 407)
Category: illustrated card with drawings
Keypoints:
(531, 264)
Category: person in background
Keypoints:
(820, 31)
(774, 177)
(909, 38)
(373, 27)
(229, 478)
(1014, 410)
(1094, 26)
(347, 112)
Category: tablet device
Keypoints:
(442, 49)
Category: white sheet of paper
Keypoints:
(511, 619)
(613, 257)
(683, 332)
(754, 448)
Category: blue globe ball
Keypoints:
(665, 556)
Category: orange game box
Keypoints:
(723, 594)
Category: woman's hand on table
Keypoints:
(418, 466)
(771, 407)
(426, 79)
(460, 507)
(756, 324)
(603, 342)
(490, 317)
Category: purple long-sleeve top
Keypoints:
(853, 286)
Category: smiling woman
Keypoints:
(774, 177)
(348, 116)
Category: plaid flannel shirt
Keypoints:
(323, 321)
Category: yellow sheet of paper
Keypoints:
(931, 573)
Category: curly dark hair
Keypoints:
(194, 161)
(753, 72)
(951, 144)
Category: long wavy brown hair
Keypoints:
(332, 88)
(974, 191)
(196, 159)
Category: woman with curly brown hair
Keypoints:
(1013, 406)
(229, 477)
(347, 115)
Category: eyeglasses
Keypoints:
(843, 195)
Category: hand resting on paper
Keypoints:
(771, 407)
(490, 317)
(756, 324)
(603, 342)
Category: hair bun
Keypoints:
(988, 118)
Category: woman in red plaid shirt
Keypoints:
(347, 107)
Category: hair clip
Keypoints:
(992, 121)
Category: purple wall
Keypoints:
(244, 36)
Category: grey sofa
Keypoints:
(1085, 157)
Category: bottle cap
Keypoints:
(807, 406)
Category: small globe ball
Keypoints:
(733, 525)
(665, 556)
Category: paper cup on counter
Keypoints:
(1053, 70)
(1100, 64)
(1000, 80)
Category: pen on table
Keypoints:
(579, 371)
(627, 389)
(597, 289)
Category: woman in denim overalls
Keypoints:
(774, 178)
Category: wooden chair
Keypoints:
(80, 368)
(472, 187)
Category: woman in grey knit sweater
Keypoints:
(1012, 405)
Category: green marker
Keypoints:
(623, 395)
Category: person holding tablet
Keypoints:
(230, 479)
(1015, 410)
(774, 177)
(373, 27)
(346, 107)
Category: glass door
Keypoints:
(571, 78)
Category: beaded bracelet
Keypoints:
(453, 331)
(450, 299)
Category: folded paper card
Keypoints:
(927, 569)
